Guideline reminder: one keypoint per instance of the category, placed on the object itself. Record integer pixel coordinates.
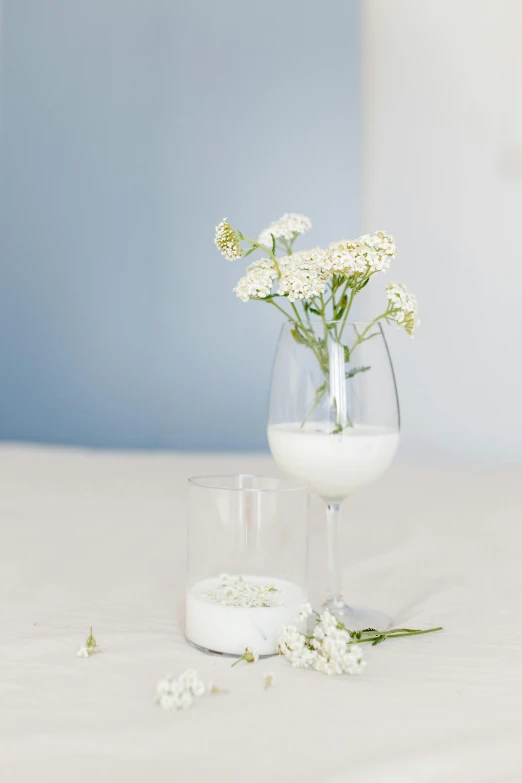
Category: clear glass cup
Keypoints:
(334, 422)
(247, 561)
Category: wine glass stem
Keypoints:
(335, 589)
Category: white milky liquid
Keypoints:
(333, 465)
(229, 629)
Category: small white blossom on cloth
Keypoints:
(269, 679)
(179, 694)
(404, 307)
(89, 648)
(250, 656)
(227, 241)
(288, 227)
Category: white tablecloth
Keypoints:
(99, 538)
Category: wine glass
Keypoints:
(334, 422)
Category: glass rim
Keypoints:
(288, 485)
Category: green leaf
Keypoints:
(249, 251)
(271, 296)
(273, 243)
(378, 640)
(319, 392)
(363, 284)
(357, 370)
(314, 310)
(298, 337)
(346, 354)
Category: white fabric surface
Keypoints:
(99, 538)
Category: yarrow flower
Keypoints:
(302, 274)
(361, 257)
(238, 591)
(250, 656)
(179, 694)
(287, 227)
(258, 281)
(305, 611)
(404, 307)
(89, 648)
(329, 650)
(269, 679)
(227, 240)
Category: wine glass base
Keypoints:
(358, 619)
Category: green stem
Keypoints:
(348, 308)
(271, 301)
(394, 635)
(266, 249)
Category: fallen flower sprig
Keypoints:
(179, 694)
(250, 656)
(89, 648)
(332, 648)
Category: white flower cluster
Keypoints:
(404, 307)
(238, 591)
(287, 227)
(302, 274)
(305, 274)
(258, 281)
(361, 257)
(179, 694)
(328, 649)
(227, 241)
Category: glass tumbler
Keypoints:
(247, 560)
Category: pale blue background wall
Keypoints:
(129, 128)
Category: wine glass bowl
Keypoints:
(334, 422)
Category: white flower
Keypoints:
(305, 611)
(404, 307)
(360, 258)
(287, 227)
(269, 679)
(251, 655)
(83, 652)
(185, 700)
(329, 650)
(302, 274)
(227, 241)
(199, 688)
(258, 281)
(180, 693)
(167, 701)
(238, 591)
